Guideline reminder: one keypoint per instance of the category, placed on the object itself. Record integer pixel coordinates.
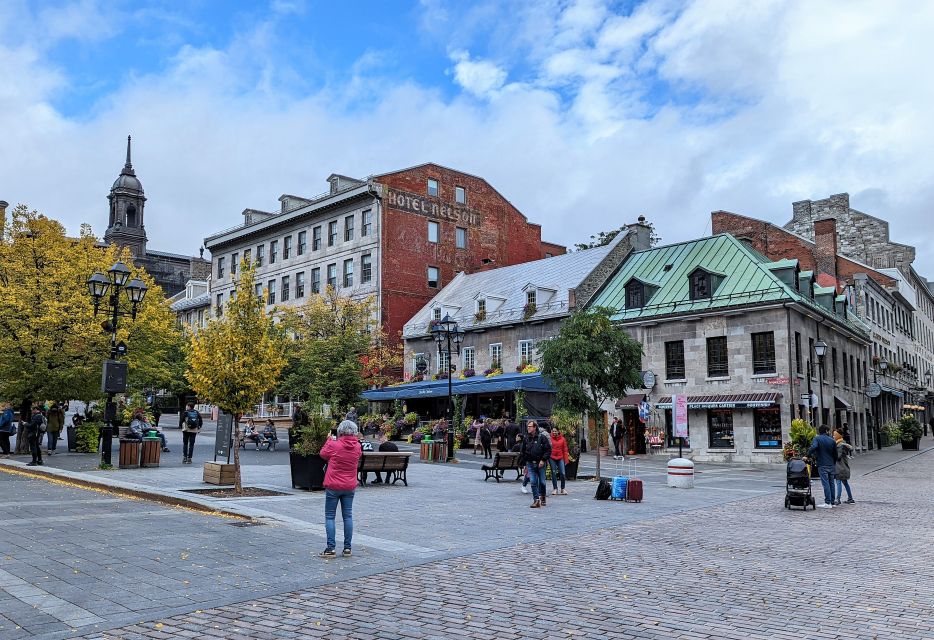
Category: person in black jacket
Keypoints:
(536, 449)
(33, 434)
(385, 445)
(486, 438)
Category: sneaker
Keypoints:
(564, 492)
(544, 501)
(837, 503)
(165, 450)
(851, 501)
(39, 462)
(525, 489)
(328, 553)
(824, 505)
(347, 553)
(31, 464)
(554, 492)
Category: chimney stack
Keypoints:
(640, 234)
(825, 240)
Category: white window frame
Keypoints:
(433, 183)
(442, 359)
(530, 346)
(498, 348)
(434, 226)
(460, 195)
(436, 313)
(469, 358)
(461, 232)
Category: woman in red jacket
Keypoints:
(559, 458)
(340, 481)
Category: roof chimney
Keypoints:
(825, 240)
(640, 234)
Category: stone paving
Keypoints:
(452, 556)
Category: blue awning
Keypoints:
(474, 385)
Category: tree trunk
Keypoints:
(238, 484)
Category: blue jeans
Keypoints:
(826, 479)
(556, 467)
(345, 498)
(52, 439)
(845, 483)
(537, 478)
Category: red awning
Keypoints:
(726, 401)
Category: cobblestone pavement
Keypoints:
(457, 559)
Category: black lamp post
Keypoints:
(820, 350)
(114, 378)
(447, 335)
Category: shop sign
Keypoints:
(778, 380)
(873, 390)
(413, 203)
(680, 404)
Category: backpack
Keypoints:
(44, 426)
(191, 419)
(604, 490)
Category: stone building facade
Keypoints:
(736, 335)
(399, 237)
(893, 300)
(126, 228)
(192, 306)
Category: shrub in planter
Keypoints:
(307, 466)
(87, 437)
(801, 435)
(909, 431)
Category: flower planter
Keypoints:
(911, 445)
(307, 471)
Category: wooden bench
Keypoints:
(502, 462)
(270, 444)
(393, 463)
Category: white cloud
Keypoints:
(479, 77)
(770, 106)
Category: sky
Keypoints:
(584, 114)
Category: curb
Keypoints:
(126, 489)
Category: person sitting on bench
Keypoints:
(385, 445)
(250, 433)
(140, 428)
(269, 433)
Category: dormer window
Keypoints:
(700, 285)
(436, 313)
(530, 298)
(635, 295)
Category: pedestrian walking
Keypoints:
(486, 439)
(156, 415)
(342, 453)
(7, 427)
(34, 429)
(190, 429)
(616, 434)
(56, 422)
(559, 458)
(844, 453)
(512, 434)
(536, 448)
(824, 453)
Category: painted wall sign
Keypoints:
(421, 205)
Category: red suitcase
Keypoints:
(634, 490)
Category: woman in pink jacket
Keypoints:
(340, 481)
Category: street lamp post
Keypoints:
(820, 350)
(114, 378)
(448, 334)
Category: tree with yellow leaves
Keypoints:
(237, 357)
(52, 344)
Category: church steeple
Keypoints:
(127, 201)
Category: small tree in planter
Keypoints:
(307, 466)
(909, 432)
(237, 357)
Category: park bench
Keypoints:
(502, 462)
(269, 444)
(393, 463)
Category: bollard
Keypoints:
(681, 473)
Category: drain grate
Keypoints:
(247, 523)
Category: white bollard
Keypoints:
(681, 473)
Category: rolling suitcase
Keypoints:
(619, 487)
(634, 490)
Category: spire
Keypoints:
(129, 165)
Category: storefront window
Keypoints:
(720, 426)
(768, 426)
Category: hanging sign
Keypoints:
(680, 404)
(645, 410)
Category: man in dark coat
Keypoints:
(33, 434)
(536, 449)
(823, 452)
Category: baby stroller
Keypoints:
(798, 485)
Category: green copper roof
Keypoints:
(747, 279)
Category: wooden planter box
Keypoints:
(129, 454)
(219, 473)
(151, 452)
(911, 445)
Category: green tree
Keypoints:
(331, 339)
(51, 341)
(591, 361)
(237, 357)
(606, 237)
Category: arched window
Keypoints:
(131, 216)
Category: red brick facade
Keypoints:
(776, 243)
(497, 235)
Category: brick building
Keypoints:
(398, 236)
(877, 276)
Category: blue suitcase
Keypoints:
(619, 487)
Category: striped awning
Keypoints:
(727, 401)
